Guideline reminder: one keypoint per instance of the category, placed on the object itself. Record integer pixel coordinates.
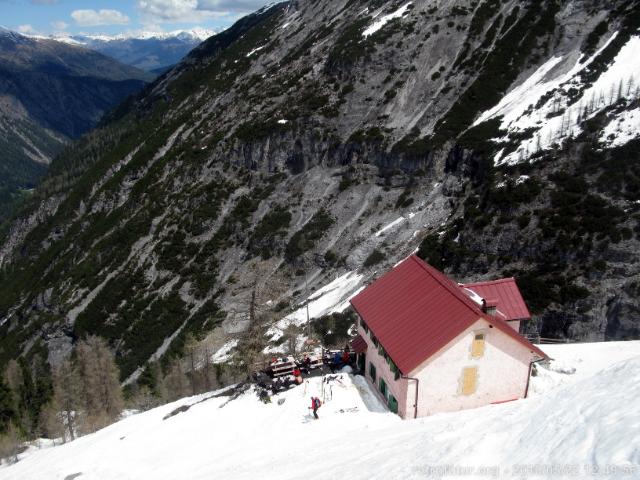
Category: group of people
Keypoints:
(282, 383)
(340, 359)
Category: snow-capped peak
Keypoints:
(197, 34)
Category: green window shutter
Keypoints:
(393, 404)
(383, 388)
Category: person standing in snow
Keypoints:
(315, 405)
(346, 358)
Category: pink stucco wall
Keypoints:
(398, 388)
(503, 372)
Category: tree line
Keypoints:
(83, 393)
(80, 395)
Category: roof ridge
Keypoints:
(486, 282)
(456, 292)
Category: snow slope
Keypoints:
(333, 297)
(382, 21)
(589, 420)
(542, 109)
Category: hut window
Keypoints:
(477, 348)
(469, 380)
(383, 388)
(372, 371)
(394, 370)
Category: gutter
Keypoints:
(415, 406)
(526, 390)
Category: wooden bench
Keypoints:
(280, 368)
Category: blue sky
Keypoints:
(120, 16)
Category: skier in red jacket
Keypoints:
(315, 405)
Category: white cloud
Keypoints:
(232, 5)
(193, 10)
(91, 18)
(157, 11)
(26, 29)
(59, 25)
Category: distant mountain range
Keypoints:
(51, 92)
(150, 51)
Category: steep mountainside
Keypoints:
(51, 92)
(147, 51)
(319, 142)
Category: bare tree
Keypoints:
(52, 421)
(175, 382)
(191, 355)
(102, 394)
(13, 375)
(619, 93)
(67, 392)
(10, 444)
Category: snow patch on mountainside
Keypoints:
(382, 21)
(559, 116)
(592, 421)
(622, 129)
(333, 297)
(224, 353)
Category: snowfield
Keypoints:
(558, 116)
(584, 417)
(333, 297)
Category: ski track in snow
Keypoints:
(587, 417)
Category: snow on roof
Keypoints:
(503, 293)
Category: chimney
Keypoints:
(490, 307)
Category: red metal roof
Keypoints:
(358, 344)
(504, 295)
(414, 310)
